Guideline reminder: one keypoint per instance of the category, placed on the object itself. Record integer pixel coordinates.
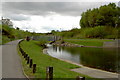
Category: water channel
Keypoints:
(101, 58)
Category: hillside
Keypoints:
(101, 23)
(9, 34)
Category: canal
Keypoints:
(107, 59)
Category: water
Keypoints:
(101, 58)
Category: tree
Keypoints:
(107, 15)
(18, 28)
(53, 31)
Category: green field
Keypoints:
(61, 68)
(87, 42)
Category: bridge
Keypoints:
(47, 38)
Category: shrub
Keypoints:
(42, 43)
(100, 32)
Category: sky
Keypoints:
(42, 17)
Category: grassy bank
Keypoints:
(98, 32)
(87, 42)
(8, 34)
(61, 68)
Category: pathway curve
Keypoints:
(11, 63)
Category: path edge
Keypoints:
(21, 60)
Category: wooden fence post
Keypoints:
(21, 52)
(24, 53)
(28, 60)
(31, 62)
(26, 56)
(34, 68)
(49, 73)
(80, 78)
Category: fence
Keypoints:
(49, 70)
(48, 38)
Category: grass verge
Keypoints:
(88, 42)
(61, 68)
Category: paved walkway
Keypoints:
(11, 64)
(95, 73)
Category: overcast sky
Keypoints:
(46, 16)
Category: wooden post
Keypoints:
(31, 62)
(80, 78)
(22, 53)
(49, 73)
(28, 60)
(26, 56)
(34, 68)
(27, 38)
(20, 50)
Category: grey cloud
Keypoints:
(17, 17)
(44, 8)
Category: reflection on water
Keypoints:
(106, 59)
(59, 52)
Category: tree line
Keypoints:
(107, 15)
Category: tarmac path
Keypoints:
(95, 73)
(11, 63)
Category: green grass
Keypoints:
(61, 68)
(88, 42)
(4, 39)
(9, 34)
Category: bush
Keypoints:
(42, 43)
(100, 32)
(87, 32)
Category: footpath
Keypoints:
(11, 63)
(95, 73)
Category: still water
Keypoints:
(102, 58)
